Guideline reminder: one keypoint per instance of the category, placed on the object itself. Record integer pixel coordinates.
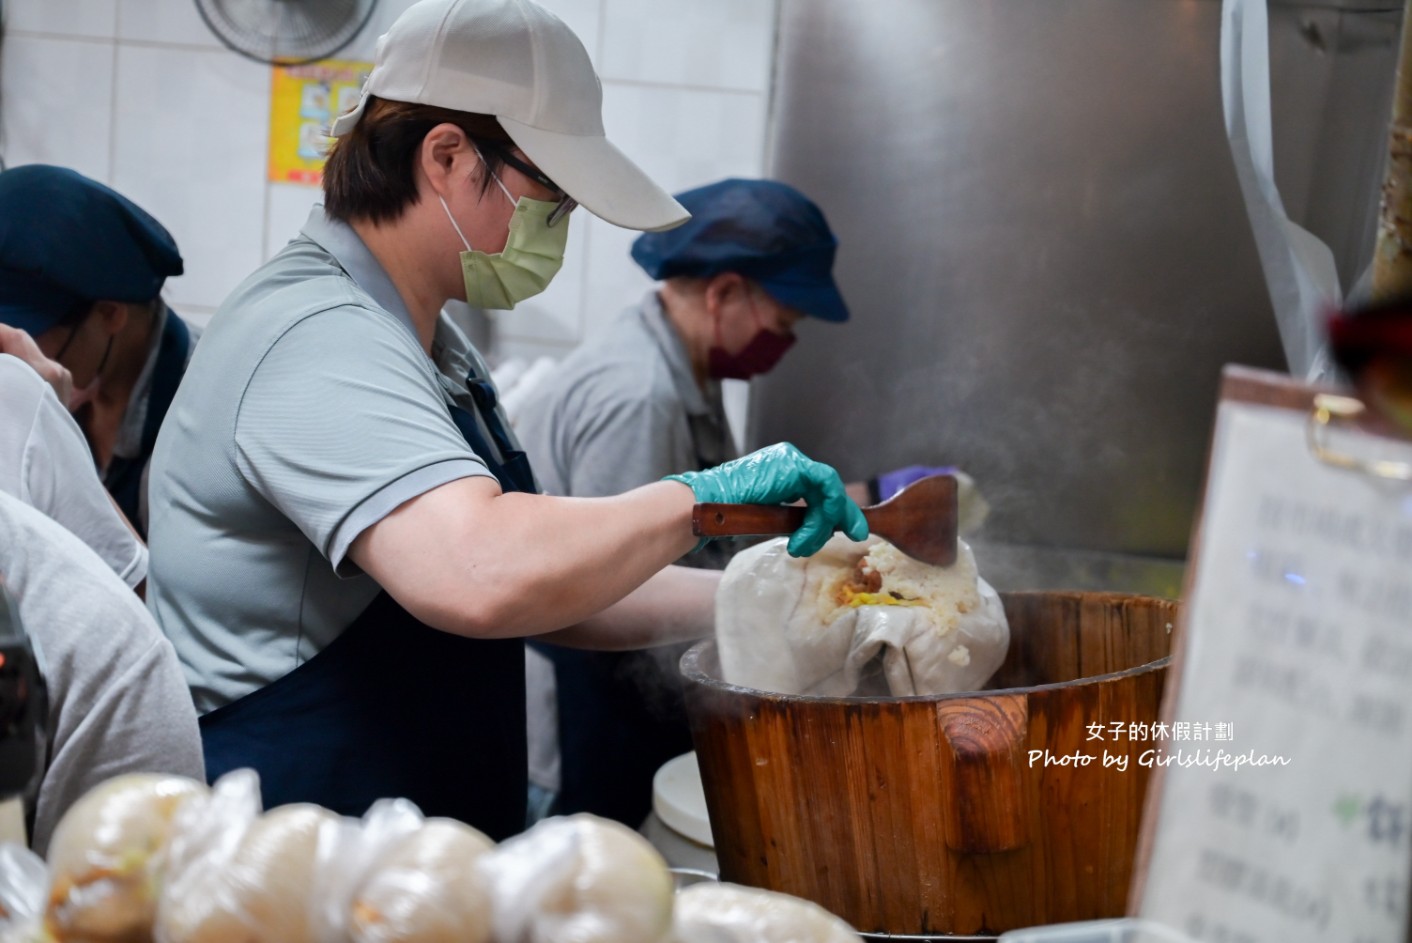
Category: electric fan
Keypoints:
(286, 32)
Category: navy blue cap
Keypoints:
(761, 229)
(65, 239)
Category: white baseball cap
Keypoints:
(517, 61)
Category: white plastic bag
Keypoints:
(814, 625)
(108, 855)
(397, 878)
(24, 888)
(729, 913)
(579, 879)
(236, 875)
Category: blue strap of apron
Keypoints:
(509, 464)
(123, 477)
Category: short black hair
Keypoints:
(370, 172)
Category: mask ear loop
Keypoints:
(503, 189)
(454, 226)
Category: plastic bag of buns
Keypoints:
(24, 888)
(108, 857)
(730, 913)
(854, 611)
(236, 875)
(395, 877)
(578, 879)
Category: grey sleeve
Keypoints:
(140, 720)
(59, 480)
(342, 421)
(615, 438)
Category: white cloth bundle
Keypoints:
(814, 625)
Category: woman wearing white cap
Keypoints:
(346, 544)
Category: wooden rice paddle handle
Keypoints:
(920, 520)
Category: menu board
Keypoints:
(1296, 641)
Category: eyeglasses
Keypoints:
(565, 204)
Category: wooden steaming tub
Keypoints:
(933, 815)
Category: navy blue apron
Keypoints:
(123, 478)
(395, 708)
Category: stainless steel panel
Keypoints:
(1010, 568)
(1044, 244)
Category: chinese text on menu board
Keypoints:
(1299, 634)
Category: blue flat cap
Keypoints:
(65, 239)
(762, 229)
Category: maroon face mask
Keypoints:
(758, 356)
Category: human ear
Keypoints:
(111, 315)
(724, 288)
(444, 149)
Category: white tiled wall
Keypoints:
(140, 95)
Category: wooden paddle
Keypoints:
(920, 520)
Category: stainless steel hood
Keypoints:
(1043, 242)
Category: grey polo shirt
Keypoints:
(622, 411)
(308, 413)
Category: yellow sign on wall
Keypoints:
(304, 100)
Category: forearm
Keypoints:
(678, 604)
(466, 559)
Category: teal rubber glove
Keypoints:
(781, 474)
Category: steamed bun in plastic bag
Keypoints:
(24, 885)
(254, 883)
(814, 625)
(108, 856)
(426, 889)
(579, 879)
(729, 913)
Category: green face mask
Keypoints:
(532, 256)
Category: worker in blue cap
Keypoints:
(81, 271)
(629, 406)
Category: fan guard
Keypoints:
(286, 32)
